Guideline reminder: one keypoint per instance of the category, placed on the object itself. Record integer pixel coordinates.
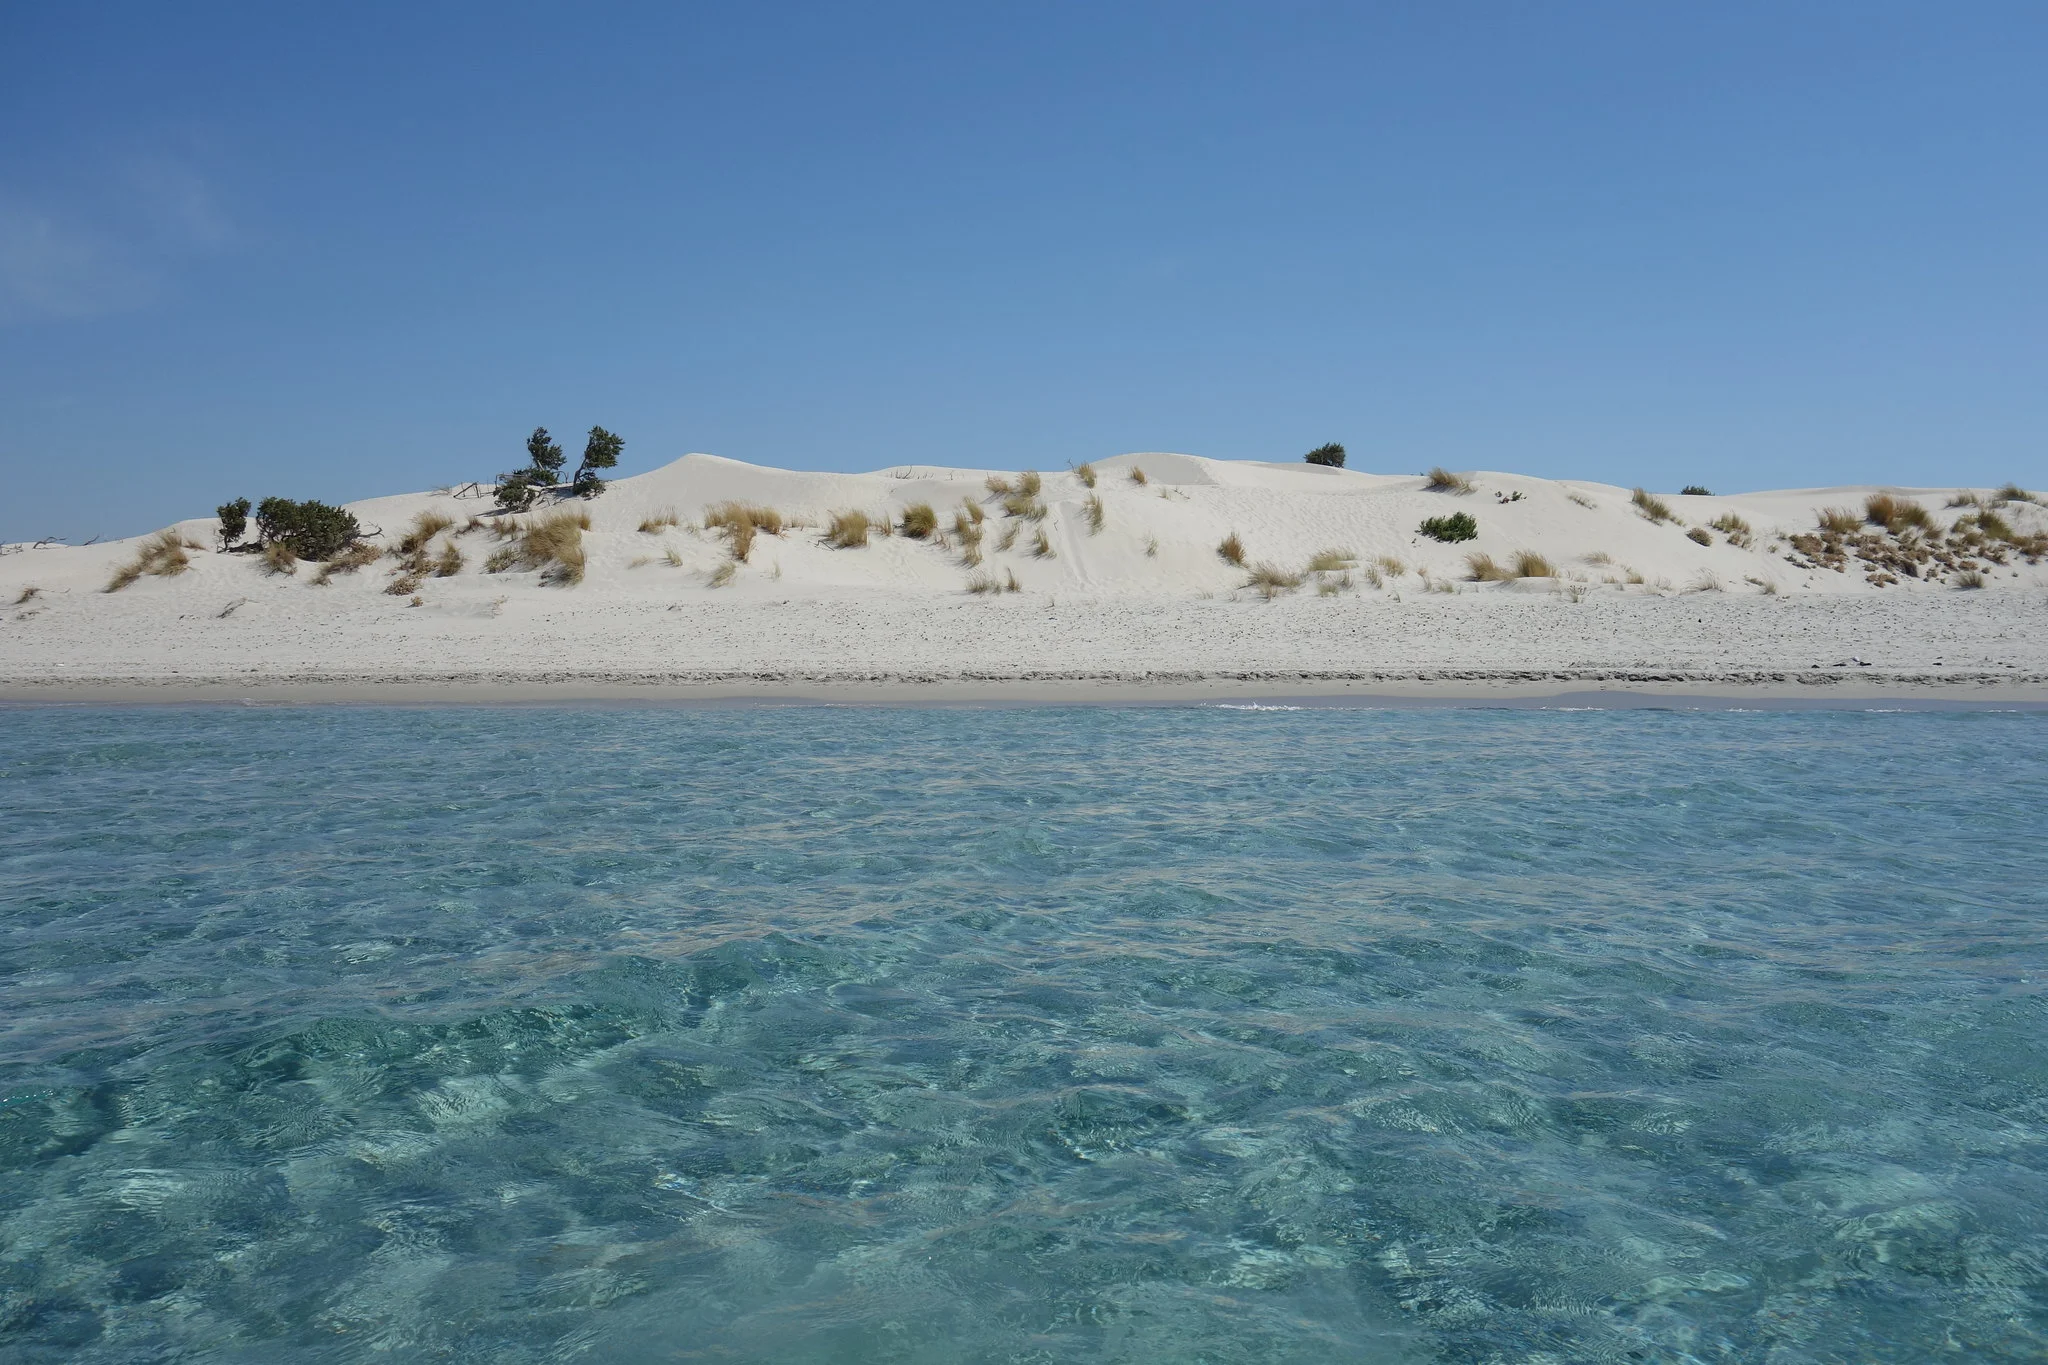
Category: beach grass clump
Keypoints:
(1009, 537)
(448, 563)
(405, 585)
(849, 530)
(976, 513)
(1529, 564)
(1451, 529)
(1138, 476)
(161, 556)
(1391, 566)
(1651, 506)
(1041, 548)
(723, 574)
(1097, 514)
(1271, 581)
(1700, 535)
(1331, 561)
(1969, 579)
(360, 555)
(1441, 480)
(2012, 492)
(659, 521)
(1029, 484)
(1023, 504)
(280, 559)
(1231, 550)
(424, 528)
(1086, 474)
(1582, 500)
(998, 486)
(920, 521)
(1734, 527)
(1839, 520)
(1483, 568)
(552, 544)
(738, 522)
(1896, 514)
(982, 584)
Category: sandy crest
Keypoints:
(1147, 597)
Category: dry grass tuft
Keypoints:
(1391, 566)
(1484, 570)
(1895, 514)
(1529, 564)
(424, 528)
(1028, 483)
(1138, 476)
(404, 586)
(1096, 514)
(1655, 508)
(1699, 535)
(981, 584)
(974, 510)
(849, 530)
(738, 522)
(723, 574)
(1599, 557)
(673, 557)
(552, 544)
(1232, 550)
(279, 559)
(1041, 548)
(1271, 580)
(360, 555)
(1085, 473)
(1704, 582)
(1010, 583)
(660, 521)
(1733, 527)
(919, 520)
(449, 562)
(1442, 480)
(161, 556)
(1009, 537)
(2012, 492)
(998, 486)
(1970, 578)
(1840, 520)
(1024, 506)
(1331, 561)
(1582, 500)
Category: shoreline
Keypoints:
(1615, 689)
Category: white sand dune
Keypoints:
(1147, 595)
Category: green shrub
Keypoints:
(1693, 490)
(310, 530)
(516, 490)
(1331, 455)
(1451, 529)
(234, 521)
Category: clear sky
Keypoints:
(334, 251)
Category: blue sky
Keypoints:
(346, 250)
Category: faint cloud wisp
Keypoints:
(82, 256)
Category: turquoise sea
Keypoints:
(1022, 1035)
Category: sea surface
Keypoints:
(1022, 1035)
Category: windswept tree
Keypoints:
(601, 452)
(1331, 455)
(544, 456)
(234, 521)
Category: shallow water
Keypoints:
(1022, 1035)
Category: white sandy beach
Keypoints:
(1144, 599)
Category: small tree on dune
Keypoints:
(1331, 455)
(234, 521)
(544, 456)
(600, 452)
